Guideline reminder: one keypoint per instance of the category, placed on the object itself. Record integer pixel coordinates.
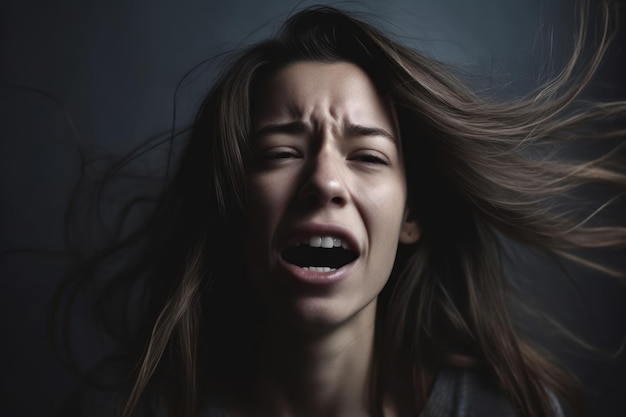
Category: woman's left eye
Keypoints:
(371, 158)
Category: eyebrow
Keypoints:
(360, 130)
(298, 126)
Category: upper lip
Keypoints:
(306, 231)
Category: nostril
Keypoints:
(337, 200)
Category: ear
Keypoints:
(410, 231)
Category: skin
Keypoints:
(328, 161)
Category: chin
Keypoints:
(323, 315)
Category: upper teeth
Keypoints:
(325, 242)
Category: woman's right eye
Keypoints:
(282, 153)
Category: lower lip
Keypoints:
(318, 278)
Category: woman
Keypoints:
(331, 242)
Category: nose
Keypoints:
(324, 180)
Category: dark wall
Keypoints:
(102, 76)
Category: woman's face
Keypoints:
(327, 194)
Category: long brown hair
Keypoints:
(474, 174)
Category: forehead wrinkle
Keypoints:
(321, 114)
(328, 105)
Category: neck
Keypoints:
(323, 373)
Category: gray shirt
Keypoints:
(455, 393)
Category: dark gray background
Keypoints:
(112, 67)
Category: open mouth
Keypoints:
(320, 253)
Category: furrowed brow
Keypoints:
(294, 127)
(360, 130)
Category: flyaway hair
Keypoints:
(477, 169)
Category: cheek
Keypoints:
(258, 209)
(266, 202)
(386, 206)
(384, 219)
